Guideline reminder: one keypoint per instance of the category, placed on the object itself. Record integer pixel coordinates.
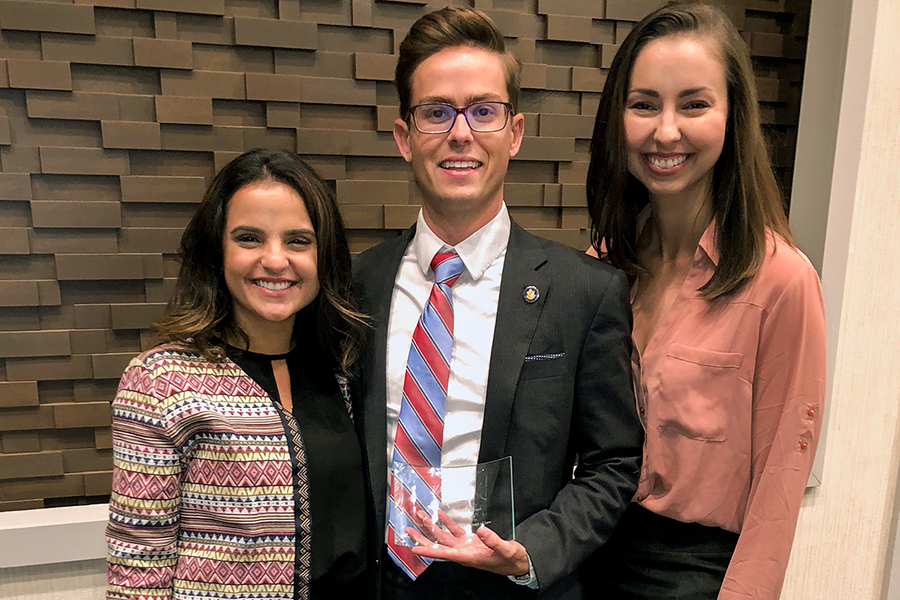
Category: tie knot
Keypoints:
(446, 267)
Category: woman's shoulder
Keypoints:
(175, 368)
(785, 269)
(582, 271)
(783, 256)
(174, 356)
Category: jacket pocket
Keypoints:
(539, 366)
(697, 387)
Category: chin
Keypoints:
(665, 189)
(277, 317)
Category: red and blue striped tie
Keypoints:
(420, 429)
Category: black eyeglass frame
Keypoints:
(411, 115)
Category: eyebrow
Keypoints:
(258, 231)
(655, 94)
(468, 100)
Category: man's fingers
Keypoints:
(433, 530)
(511, 551)
(484, 550)
(498, 545)
(426, 527)
(418, 537)
(450, 524)
(434, 551)
(490, 539)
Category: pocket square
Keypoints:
(536, 357)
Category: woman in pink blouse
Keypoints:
(728, 321)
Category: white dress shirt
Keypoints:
(475, 297)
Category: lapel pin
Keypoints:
(531, 294)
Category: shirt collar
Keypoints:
(477, 251)
(708, 242)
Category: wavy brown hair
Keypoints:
(745, 197)
(200, 312)
(451, 27)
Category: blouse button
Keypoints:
(803, 444)
(810, 412)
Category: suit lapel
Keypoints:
(516, 322)
(379, 289)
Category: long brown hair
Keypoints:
(200, 312)
(746, 200)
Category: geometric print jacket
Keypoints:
(203, 502)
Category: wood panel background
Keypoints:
(114, 114)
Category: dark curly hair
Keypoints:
(200, 312)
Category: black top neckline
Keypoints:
(330, 453)
(250, 354)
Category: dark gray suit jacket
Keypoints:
(542, 412)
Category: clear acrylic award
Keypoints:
(469, 495)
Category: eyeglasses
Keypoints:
(483, 117)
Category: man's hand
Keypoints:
(483, 549)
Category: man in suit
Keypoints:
(540, 361)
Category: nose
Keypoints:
(667, 128)
(274, 257)
(460, 132)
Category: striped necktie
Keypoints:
(420, 428)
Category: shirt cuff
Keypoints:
(529, 580)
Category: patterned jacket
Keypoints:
(203, 502)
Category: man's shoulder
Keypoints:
(376, 256)
(572, 262)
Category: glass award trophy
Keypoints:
(469, 495)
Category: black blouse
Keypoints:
(333, 462)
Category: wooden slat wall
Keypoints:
(114, 114)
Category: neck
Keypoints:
(678, 224)
(274, 340)
(454, 226)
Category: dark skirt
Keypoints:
(354, 589)
(651, 557)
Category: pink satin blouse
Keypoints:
(731, 396)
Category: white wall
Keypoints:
(84, 580)
(53, 553)
(845, 537)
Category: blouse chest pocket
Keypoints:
(698, 390)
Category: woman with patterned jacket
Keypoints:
(237, 470)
